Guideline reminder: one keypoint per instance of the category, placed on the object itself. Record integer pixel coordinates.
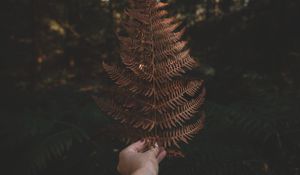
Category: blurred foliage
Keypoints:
(51, 65)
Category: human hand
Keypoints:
(133, 161)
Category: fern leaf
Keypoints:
(157, 101)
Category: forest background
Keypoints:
(51, 58)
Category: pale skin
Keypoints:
(133, 160)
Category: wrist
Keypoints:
(144, 171)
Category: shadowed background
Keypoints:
(51, 65)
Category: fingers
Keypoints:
(137, 146)
(162, 154)
(154, 150)
(157, 152)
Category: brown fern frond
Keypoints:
(175, 98)
(167, 138)
(119, 75)
(157, 102)
(184, 134)
(165, 25)
(165, 28)
(160, 5)
(174, 68)
(181, 114)
(138, 15)
(125, 79)
(179, 88)
(160, 14)
(163, 41)
(124, 114)
(171, 51)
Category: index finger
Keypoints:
(137, 146)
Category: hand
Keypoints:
(133, 161)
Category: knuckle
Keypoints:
(121, 154)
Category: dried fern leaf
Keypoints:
(158, 103)
(181, 114)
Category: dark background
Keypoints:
(51, 58)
